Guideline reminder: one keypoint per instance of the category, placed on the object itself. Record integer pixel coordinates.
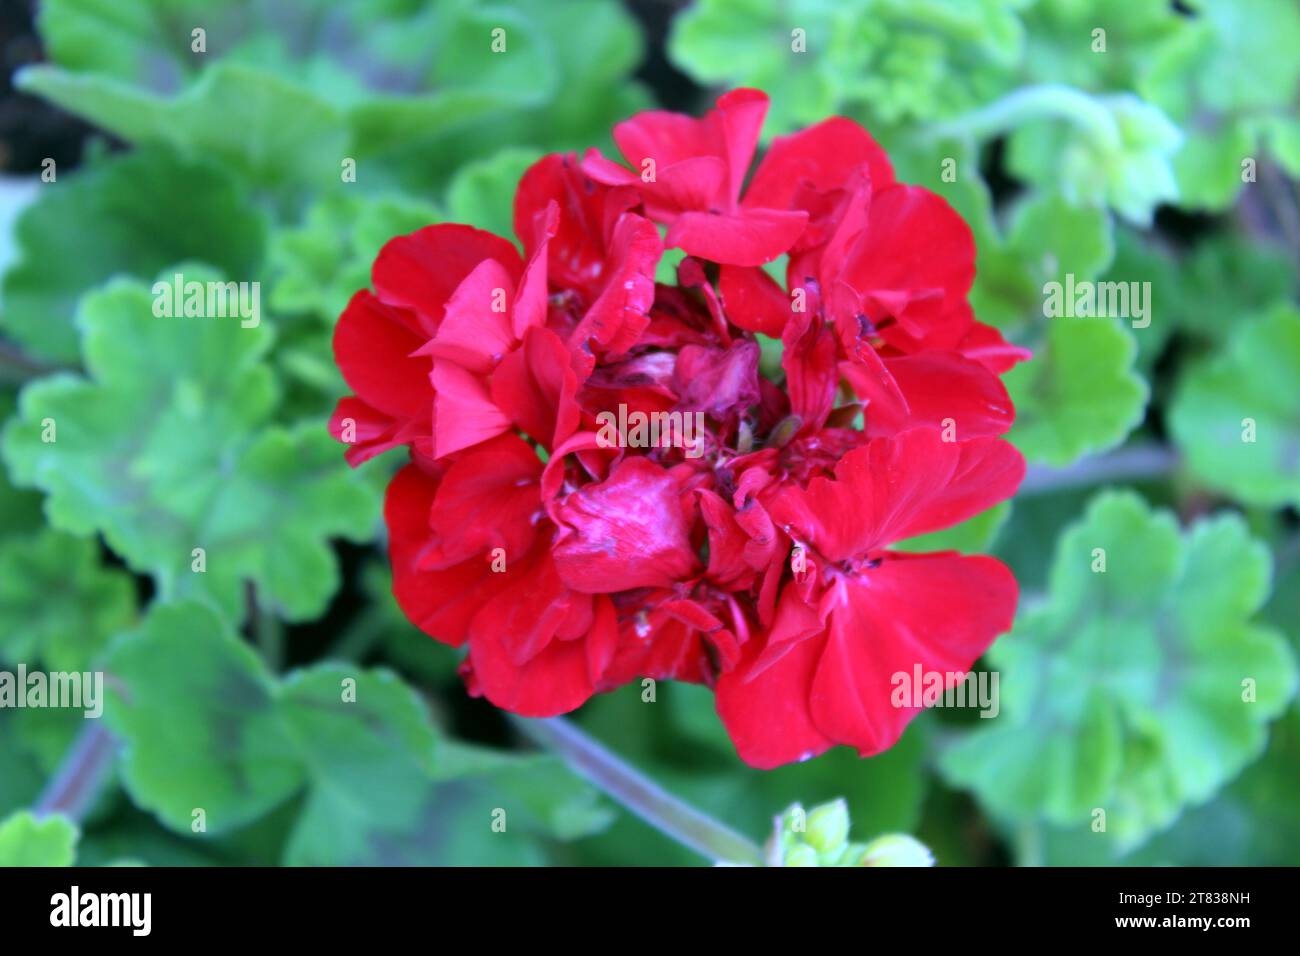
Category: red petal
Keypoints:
(718, 382)
(767, 716)
(753, 300)
(939, 388)
(894, 488)
(439, 602)
(985, 345)
(420, 271)
(811, 372)
(517, 662)
(373, 346)
(373, 432)
(939, 612)
(626, 532)
(536, 386)
(747, 238)
(915, 246)
(823, 155)
(473, 334)
(464, 413)
(489, 498)
(621, 312)
(740, 115)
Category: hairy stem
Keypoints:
(72, 789)
(1127, 464)
(653, 804)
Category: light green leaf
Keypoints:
(482, 193)
(1079, 394)
(539, 792)
(895, 61)
(205, 726)
(28, 841)
(58, 603)
(1062, 45)
(134, 215)
(1226, 78)
(1237, 414)
(1127, 691)
(367, 749)
(287, 135)
(196, 711)
(164, 449)
(322, 263)
(389, 77)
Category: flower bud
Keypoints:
(800, 855)
(896, 849)
(828, 826)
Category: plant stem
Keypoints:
(1128, 464)
(1029, 844)
(265, 630)
(653, 804)
(17, 367)
(73, 788)
(1046, 101)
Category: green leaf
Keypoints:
(1060, 47)
(164, 449)
(20, 511)
(367, 747)
(897, 62)
(66, 632)
(389, 76)
(28, 841)
(971, 536)
(482, 193)
(1079, 394)
(1226, 78)
(1046, 238)
(1127, 691)
(319, 264)
(136, 215)
(541, 793)
(1236, 415)
(592, 45)
(1199, 295)
(205, 726)
(287, 135)
(197, 713)
(1283, 137)
(1117, 153)
(21, 776)
(1225, 277)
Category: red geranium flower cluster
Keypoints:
(574, 554)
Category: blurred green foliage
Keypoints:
(1130, 141)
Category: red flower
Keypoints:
(603, 487)
(863, 613)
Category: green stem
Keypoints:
(17, 367)
(1029, 844)
(653, 804)
(1046, 101)
(266, 631)
(359, 639)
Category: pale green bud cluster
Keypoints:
(820, 837)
